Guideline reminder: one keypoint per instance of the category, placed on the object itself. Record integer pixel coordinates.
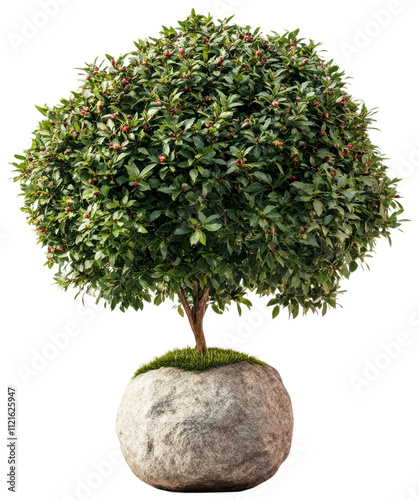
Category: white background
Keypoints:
(352, 440)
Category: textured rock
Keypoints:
(225, 429)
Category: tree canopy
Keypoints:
(209, 162)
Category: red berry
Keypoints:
(323, 133)
(167, 53)
(229, 136)
(88, 77)
(325, 115)
(85, 215)
(293, 178)
(327, 158)
(60, 247)
(208, 125)
(257, 52)
(184, 185)
(158, 103)
(126, 128)
(135, 183)
(162, 159)
(96, 193)
(182, 51)
(67, 209)
(275, 104)
(51, 183)
(274, 250)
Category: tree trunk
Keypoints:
(196, 315)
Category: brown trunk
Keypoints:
(196, 315)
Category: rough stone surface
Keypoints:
(225, 429)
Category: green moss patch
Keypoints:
(189, 359)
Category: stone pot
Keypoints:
(224, 429)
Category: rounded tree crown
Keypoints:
(213, 156)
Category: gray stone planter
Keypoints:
(225, 429)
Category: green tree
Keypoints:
(206, 163)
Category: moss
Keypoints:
(189, 359)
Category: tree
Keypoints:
(207, 163)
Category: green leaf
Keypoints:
(41, 110)
(262, 177)
(183, 230)
(147, 169)
(188, 124)
(353, 266)
(199, 143)
(195, 237)
(275, 312)
(303, 186)
(322, 278)
(318, 207)
(327, 219)
(194, 174)
(212, 227)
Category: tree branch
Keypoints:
(187, 309)
(196, 315)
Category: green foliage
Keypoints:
(189, 359)
(213, 156)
